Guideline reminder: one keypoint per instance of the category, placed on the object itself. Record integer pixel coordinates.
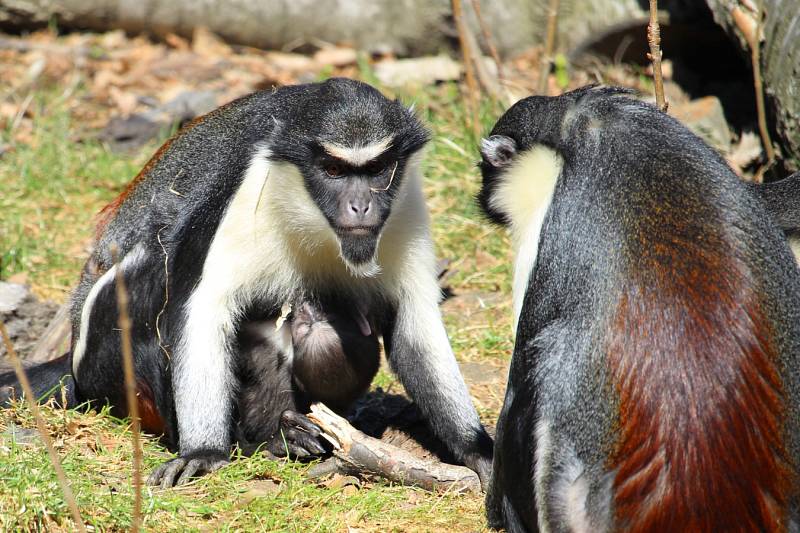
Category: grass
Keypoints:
(52, 187)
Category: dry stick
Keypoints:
(755, 59)
(69, 498)
(549, 45)
(488, 40)
(358, 453)
(124, 322)
(472, 87)
(485, 79)
(654, 39)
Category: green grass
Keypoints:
(51, 189)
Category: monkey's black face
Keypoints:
(352, 146)
(355, 199)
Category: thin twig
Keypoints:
(69, 497)
(124, 322)
(488, 40)
(654, 39)
(472, 87)
(166, 294)
(549, 45)
(755, 59)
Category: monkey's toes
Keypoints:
(181, 469)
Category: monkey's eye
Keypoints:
(374, 168)
(334, 170)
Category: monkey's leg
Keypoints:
(269, 404)
(97, 358)
(419, 352)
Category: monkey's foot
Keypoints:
(297, 437)
(181, 469)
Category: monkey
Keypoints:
(332, 358)
(336, 353)
(311, 189)
(655, 380)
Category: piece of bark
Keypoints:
(779, 58)
(357, 453)
(53, 340)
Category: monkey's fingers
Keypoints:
(294, 419)
(198, 467)
(181, 469)
(165, 474)
(304, 440)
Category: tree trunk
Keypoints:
(401, 26)
(779, 58)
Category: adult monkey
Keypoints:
(307, 190)
(655, 381)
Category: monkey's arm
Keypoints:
(419, 352)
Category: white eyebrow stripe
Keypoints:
(358, 155)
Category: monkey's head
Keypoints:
(517, 166)
(520, 164)
(353, 148)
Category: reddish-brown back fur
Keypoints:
(701, 406)
(149, 417)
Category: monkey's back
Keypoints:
(661, 286)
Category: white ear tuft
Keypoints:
(498, 150)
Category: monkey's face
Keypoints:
(355, 191)
(352, 145)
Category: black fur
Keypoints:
(782, 200)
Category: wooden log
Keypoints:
(55, 340)
(357, 453)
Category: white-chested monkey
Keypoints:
(307, 190)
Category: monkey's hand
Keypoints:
(181, 469)
(297, 437)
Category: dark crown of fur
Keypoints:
(348, 113)
(545, 120)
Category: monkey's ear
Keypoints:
(498, 150)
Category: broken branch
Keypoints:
(358, 453)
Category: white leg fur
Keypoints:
(407, 253)
(570, 493)
(524, 195)
(544, 452)
(130, 259)
(794, 244)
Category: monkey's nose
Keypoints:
(360, 207)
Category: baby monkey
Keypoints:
(336, 353)
(325, 351)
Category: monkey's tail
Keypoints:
(52, 379)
